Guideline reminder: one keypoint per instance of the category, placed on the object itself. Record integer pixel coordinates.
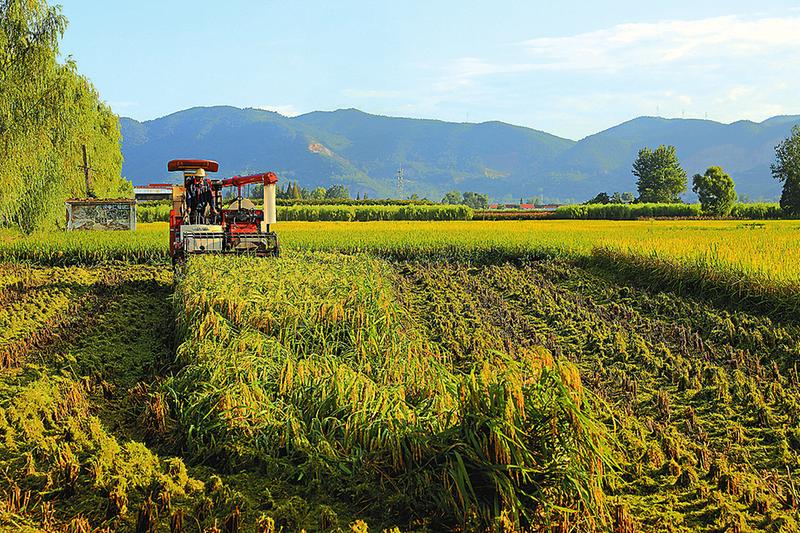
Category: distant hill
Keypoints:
(364, 152)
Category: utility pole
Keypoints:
(400, 183)
(86, 172)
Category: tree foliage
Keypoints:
(472, 199)
(476, 200)
(337, 191)
(615, 198)
(787, 169)
(660, 176)
(453, 198)
(47, 111)
(600, 198)
(716, 191)
(293, 191)
(317, 194)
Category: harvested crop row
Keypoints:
(75, 414)
(68, 470)
(705, 400)
(38, 304)
(312, 367)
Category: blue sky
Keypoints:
(570, 68)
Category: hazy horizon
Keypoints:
(457, 122)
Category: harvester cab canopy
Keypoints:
(191, 165)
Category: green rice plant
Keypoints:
(370, 213)
(626, 211)
(153, 212)
(148, 245)
(754, 211)
(757, 211)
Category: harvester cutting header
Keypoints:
(199, 224)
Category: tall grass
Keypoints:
(337, 212)
(149, 244)
(153, 212)
(350, 213)
(757, 211)
(626, 211)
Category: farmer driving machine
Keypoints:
(199, 224)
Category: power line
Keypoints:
(400, 182)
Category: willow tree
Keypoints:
(47, 111)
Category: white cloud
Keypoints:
(463, 70)
(704, 42)
(726, 68)
(636, 45)
(287, 110)
(371, 93)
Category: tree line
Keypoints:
(474, 200)
(48, 111)
(293, 191)
(660, 179)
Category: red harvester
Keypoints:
(199, 224)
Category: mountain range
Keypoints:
(365, 152)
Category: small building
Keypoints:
(152, 192)
(101, 214)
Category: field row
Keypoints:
(317, 389)
(755, 211)
(313, 367)
(351, 212)
(768, 250)
(82, 346)
(750, 265)
(441, 395)
(340, 213)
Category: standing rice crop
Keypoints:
(149, 244)
(312, 362)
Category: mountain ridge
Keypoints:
(507, 161)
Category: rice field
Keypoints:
(768, 250)
(559, 375)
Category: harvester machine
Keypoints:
(199, 224)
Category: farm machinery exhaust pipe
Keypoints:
(199, 224)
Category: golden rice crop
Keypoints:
(768, 250)
(148, 244)
(313, 361)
